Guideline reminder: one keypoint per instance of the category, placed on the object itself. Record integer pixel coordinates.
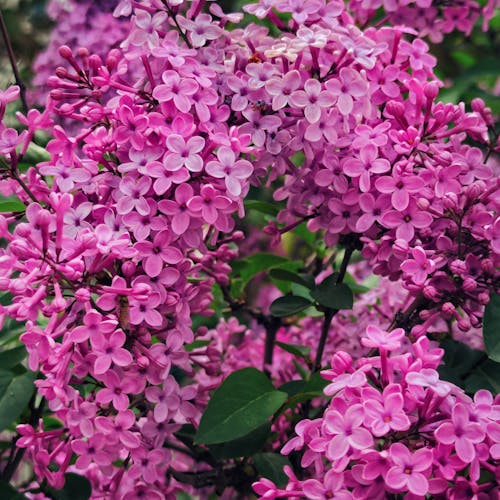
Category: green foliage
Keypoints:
(289, 305)
(15, 393)
(244, 446)
(302, 351)
(242, 403)
(76, 487)
(332, 295)
(469, 368)
(11, 204)
(271, 465)
(7, 492)
(491, 328)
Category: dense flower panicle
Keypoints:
(409, 437)
(130, 222)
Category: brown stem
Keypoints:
(12, 59)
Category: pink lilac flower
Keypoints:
(379, 339)
(234, 172)
(419, 267)
(312, 99)
(461, 432)
(347, 432)
(387, 415)
(348, 87)
(367, 163)
(407, 473)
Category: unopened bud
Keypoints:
(450, 201)
(430, 292)
(464, 324)
(431, 90)
(448, 310)
(469, 284)
(82, 295)
(341, 362)
(423, 204)
(487, 266)
(128, 269)
(65, 52)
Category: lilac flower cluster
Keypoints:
(129, 223)
(392, 426)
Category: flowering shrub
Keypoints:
(168, 356)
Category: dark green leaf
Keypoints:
(289, 305)
(332, 295)
(15, 398)
(316, 383)
(354, 285)
(270, 465)
(243, 402)
(293, 387)
(491, 327)
(8, 492)
(263, 207)
(244, 446)
(12, 205)
(12, 357)
(76, 487)
(485, 376)
(285, 275)
(458, 361)
(249, 267)
(302, 351)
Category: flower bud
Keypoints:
(469, 284)
(488, 266)
(82, 295)
(65, 52)
(423, 204)
(128, 269)
(430, 292)
(458, 267)
(463, 324)
(341, 362)
(448, 310)
(431, 90)
(450, 201)
(401, 249)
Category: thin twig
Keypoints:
(13, 63)
(330, 313)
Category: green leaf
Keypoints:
(485, 376)
(491, 328)
(270, 465)
(76, 487)
(8, 492)
(332, 295)
(244, 446)
(249, 267)
(243, 402)
(458, 361)
(288, 305)
(263, 207)
(15, 398)
(293, 387)
(302, 351)
(12, 357)
(12, 205)
(354, 285)
(285, 275)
